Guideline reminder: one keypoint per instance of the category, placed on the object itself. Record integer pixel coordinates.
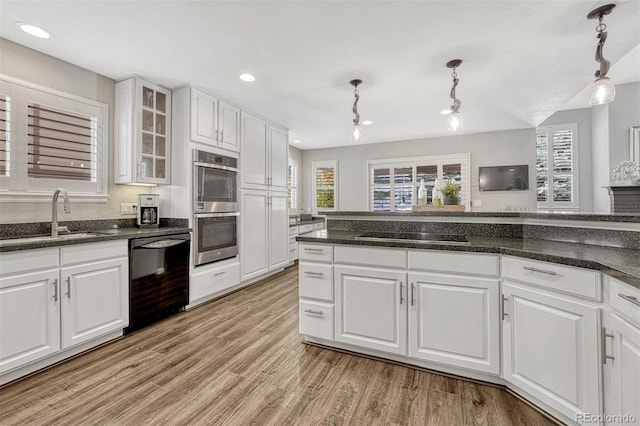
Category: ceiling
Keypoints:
(523, 60)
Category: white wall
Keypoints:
(487, 149)
(624, 112)
(29, 65)
(600, 158)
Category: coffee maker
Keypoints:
(148, 210)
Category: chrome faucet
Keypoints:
(54, 212)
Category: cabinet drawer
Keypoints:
(305, 229)
(293, 251)
(214, 280)
(292, 239)
(454, 262)
(374, 256)
(315, 252)
(293, 230)
(28, 260)
(318, 226)
(93, 251)
(316, 319)
(625, 299)
(565, 279)
(316, 281)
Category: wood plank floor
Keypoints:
(240, 361)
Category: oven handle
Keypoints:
(215, 166)
(205, 215)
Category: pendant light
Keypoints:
(357, 131)
(602, 90)
(454, 122)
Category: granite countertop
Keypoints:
(308, 222)
(620, 263)
(102, 235)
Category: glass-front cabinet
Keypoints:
(142, 132)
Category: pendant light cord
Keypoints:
(456, 102)
(356, 120)
(602, 37)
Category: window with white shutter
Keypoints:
(557, 166)
(324, 185)
(5, 134)
(293, 184)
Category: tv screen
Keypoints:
(504, 178)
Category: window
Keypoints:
(48, 140)
(399, 180)
(324, 185)
(293, 185)
(556, 166)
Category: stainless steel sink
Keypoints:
(45, 238)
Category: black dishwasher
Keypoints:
(159, 278)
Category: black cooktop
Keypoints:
(424, 237)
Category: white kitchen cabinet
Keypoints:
(264, 226)
(265, 154)
(455, 320)
(29, 317)
(551, 348)
(142, 133)
(94, 301)
(214, 122)
(371, 308)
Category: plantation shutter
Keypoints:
(381, 189)
(325, 187)
(5, 134)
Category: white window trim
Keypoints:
(18, 188)
(560, 205)
(463, 158)
(324, 163)
(294, 163)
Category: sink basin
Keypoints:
(44, 238)
(415, 237)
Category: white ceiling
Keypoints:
(523, 60)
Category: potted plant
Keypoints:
(450, 192)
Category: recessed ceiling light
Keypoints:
(33, 30)
(247, 77)
(367, 122)
(297, 141)
(445, 111)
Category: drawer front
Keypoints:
(81, 253)
(293, 251)
(316, 280)
(316, 319)
(317, 226)
(456, 263)
(292, 239)
(203, 284)
(373, 256)
(28, 260)
(625, 299)
(315, 252)
(305, 229)
(293, 230)
(565, 279)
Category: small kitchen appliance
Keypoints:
(148, 210)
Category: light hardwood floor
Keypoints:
(239, 361)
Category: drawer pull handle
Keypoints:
(412, 289)
(542, 271)
(605, 357)
(55, 289)
(311, 311)
(314, 274)
(69, 287)
(401, 293)
(631, 299)
(313, 250)
(217, 274)
(505, 300)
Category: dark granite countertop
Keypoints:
(102, 235)
(308, 222)
(620, 263)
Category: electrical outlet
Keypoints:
(128, 208)
(476, 203)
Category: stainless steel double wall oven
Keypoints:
(215, 196)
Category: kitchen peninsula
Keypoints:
(544, 304)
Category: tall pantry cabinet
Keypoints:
(264, 223)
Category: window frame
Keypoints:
(294, 200)
(324, 164)
(18, 186)
(551, 204)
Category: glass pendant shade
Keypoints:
(454, 122)
(357, 132)
(602, 91)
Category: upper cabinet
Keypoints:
(265, 154)
(142, 133)
(214, 122)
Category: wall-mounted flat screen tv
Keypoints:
(504, 178)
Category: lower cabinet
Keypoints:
(371, 308)
(550, 348)
(455, 320)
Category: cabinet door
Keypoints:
(203, 113)
(29, 318)
(371, 308)
(550, 348)
(624, 371)
(153, 134)
(455, 321)
(254, 225)
(254, 152)
(279, 159)
(94, 300)
(278, 230)
(229, 126)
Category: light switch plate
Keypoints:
(128, 208)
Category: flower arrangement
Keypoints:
(450, 188)
(627, 171)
